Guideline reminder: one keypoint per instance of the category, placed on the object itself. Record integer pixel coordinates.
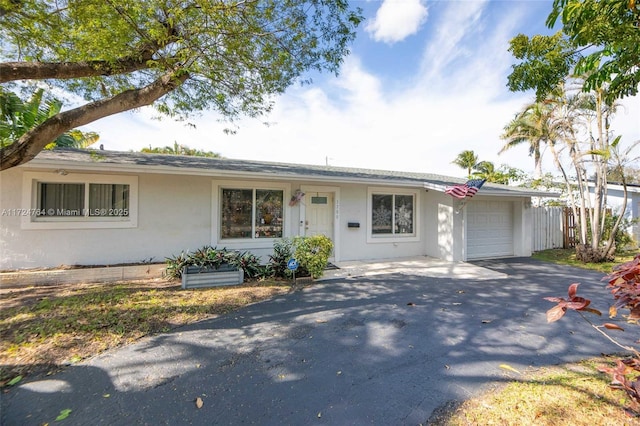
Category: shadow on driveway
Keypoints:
(388, 349)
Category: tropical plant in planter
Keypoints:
(205, 259)
(176, 264)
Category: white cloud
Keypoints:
(396, 20)
(445, 47)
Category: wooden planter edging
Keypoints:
(194, 277)
(81, 275)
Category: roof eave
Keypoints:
(91, 167)
(511, 192)
(111, 167)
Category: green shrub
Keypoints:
(282, 252)
(313, 253)
(622, 239)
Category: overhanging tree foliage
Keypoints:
(182, 56)
(599, 40)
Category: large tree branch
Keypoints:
(12, 71)
(32, 142)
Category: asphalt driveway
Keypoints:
(382, 350)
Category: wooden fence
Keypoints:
(570, 226)
(548, 228)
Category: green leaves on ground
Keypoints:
(63, 414)
(14, 381)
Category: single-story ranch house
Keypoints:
(86, 207)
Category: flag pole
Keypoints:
(462, 205)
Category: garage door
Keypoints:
(489, 229)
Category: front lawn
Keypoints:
(568, 257)
(45, 327)
(573, 394)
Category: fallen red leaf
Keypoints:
(610, 326)
(555, 313)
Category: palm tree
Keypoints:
(536, 124)
(466, 160)
(17, 117)
(487, 170)
(75, 139)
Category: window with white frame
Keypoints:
(251, 213)
(82, 199)
(392, 214)
(79, 200)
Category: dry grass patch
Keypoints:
(42, 328)
(574, 394)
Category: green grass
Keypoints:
(573, 394)
(568, 257)
(44, 327)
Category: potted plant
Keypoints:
(206, 267)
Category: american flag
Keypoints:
(468, 189)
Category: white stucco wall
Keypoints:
(174, 213)
(523, 222)
(440, 222)
(354, 242)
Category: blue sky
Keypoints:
(424, 81)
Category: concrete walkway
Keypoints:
(387, 349)
(422, 266)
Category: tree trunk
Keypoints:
(537, 159)
(598, 190)
(32, 142)
(610, 247)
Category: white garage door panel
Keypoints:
(489, 229)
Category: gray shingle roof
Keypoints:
(156, 163)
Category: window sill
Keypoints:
(392, 239)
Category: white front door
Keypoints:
(319, 214)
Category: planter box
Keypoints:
(195, 277)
